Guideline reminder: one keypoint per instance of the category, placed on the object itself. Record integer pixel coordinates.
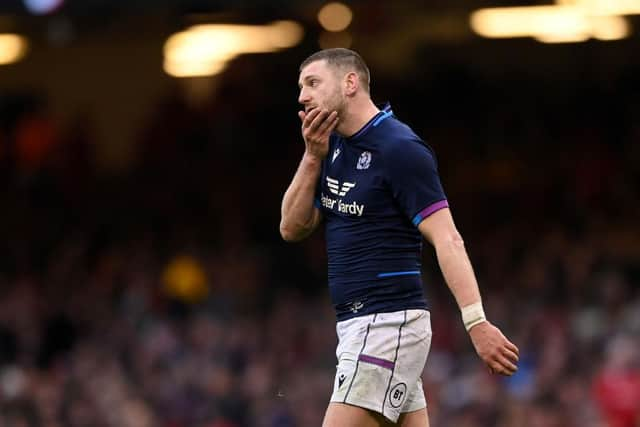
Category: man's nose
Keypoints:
(303, 98)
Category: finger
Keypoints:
(509, 354)
(495, 368)
(302, 115)
(506, 372)
(331, 126)
(318, 120)
(505, 365)
(310, 116)
(328, 121)
(511, 346)
(498, 370)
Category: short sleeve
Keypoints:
(412, 173)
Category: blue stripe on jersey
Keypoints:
(386, 114)
(399, 273)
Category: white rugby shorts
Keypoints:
(380, 361)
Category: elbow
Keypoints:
(292, 230)
(289, 235)
(451, 239)
(456, 239)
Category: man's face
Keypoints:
(320, 87)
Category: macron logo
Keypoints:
(336, 153)
(335, 188)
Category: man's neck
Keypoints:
(358, 115)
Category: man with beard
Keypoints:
(376, 185)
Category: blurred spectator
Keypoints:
(617, 384)
(164, 297)
(35, 139)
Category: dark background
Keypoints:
(143, 281)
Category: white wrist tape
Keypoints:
(472, 315)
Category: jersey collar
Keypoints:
(384, 113)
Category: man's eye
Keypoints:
(313, 83)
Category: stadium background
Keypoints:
(142, 278)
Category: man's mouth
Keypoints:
(309, 109)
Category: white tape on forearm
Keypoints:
(472, 315)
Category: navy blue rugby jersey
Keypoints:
(375, 188)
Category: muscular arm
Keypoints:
(499, 354)
(299, 217)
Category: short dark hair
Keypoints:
(344, 59)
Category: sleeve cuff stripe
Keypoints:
(424, 213)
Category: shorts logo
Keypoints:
(341, 379)
(397, 395)
(364, 161)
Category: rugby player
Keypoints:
(375, 185)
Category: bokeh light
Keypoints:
(204, 50)
(13, 47)
(285, 34)
(610, 28)
(335, 16)
(42, 7)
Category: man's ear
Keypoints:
(351, 83)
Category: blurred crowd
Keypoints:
(162, 296)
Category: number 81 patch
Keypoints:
(397, 395)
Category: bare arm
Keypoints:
(441, 232)
(299, 217)
(492, 346)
